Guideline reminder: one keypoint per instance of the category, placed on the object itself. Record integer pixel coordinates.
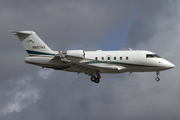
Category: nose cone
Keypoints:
(170, 65)
(166, 64)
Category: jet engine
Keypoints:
(79, 54)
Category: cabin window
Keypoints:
(102, 58)
(152, 56)
(120, 58)
(114, 58)
(108, 58)
(126, 58)
(96, 58)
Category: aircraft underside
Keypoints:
(96, 73)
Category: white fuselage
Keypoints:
(107, 61)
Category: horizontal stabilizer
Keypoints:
(20, 32)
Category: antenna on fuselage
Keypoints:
(130, 49)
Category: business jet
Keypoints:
(91, 63)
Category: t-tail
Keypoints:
(34, 45)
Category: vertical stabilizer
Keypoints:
(32, 43)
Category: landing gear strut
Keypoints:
(157, 78)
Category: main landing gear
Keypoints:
(157, 78)
(96, 79)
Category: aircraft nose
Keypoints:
(170, 65)
(166, 64)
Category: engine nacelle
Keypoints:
(80, 54)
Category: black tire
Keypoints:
(93, 78)
(157, 79)
(97, 80)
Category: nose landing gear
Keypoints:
(157, 78)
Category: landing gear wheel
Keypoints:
(96, 77)
(157, 79)
(93, 79)
(97, 80)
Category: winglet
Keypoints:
(63, 58)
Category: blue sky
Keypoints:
(116, 39)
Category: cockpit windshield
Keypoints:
(152, 56)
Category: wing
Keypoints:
(80, 67)
(107, 66)
(92, 69)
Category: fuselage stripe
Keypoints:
(38, 53)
